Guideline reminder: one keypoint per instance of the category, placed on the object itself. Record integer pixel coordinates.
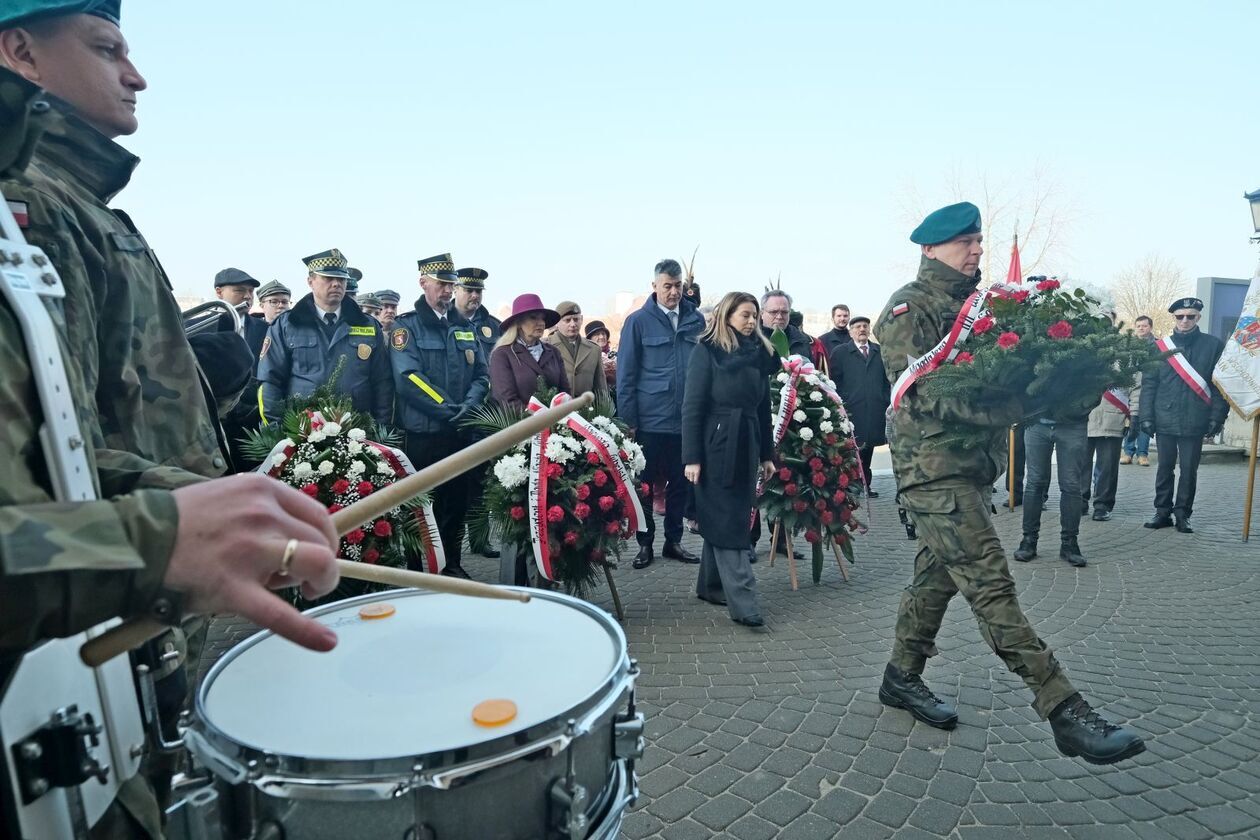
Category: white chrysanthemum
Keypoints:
(302, 470)
(826, 414)
(807, 433)
(384, 468)
(331, 429)
(357, 434)
(510, 471)
(812, 379)
(783, 377)
(356, 469)
(799, 416)
(587, 446)
(557, 451)
(354, 447)
(826, 427)
(316, 436)
(846, 427)
(325, 467)
(815, 396)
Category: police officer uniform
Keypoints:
(304, 346)
(487, 328)
(439, 373)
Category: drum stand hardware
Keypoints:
(148, 698)
(569, 797)
(59, 754)
(196, 815)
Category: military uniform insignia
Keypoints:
(464, 335)
(900, 309)
(470, 355)
(266, 345)
(398, 338)
(364, 351)
(487, 332)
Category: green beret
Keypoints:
(944, 224)
(17, 12)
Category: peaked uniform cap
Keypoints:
(386, 296)
(944, 224)
(1186, 303)
(472, 278)
(368, 299)
(17, 12)
(441, 266)
(273, 287)
(330, 263)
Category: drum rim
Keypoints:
(258, 762)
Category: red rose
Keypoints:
(311, 490)
(334, 507)
(839, 497)
(1007, 340)
(827, 517)
(983, 325)
(355, 537)
(364, 488)
(790, 489)
(1059, 329)
(581, 510)
(554, 471)
(836, 460)
(620, 493)
(584, 492)
(382, 528)
(1047, 285)
(612, 528)
(340, 486)
(811, 536)
(371, 555)
(818, 479)
(820, 505)
(517, 512)
(815, 464)
(606, 503)
(831, 439)
(800, 506)
(843, 480)
(592, 458)
(1021, 296)
(785, 474)
(600, 479)
(570, 537)
(555, 513)
(964, 358)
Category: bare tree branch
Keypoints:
(1147, 287)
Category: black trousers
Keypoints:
(450, 500)
(1170, 449)
(1106, 451)
(865, 453)
(663, 453)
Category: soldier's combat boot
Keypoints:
(1081, 731)
(902, 690)
(1027, 549)
(1070, 551)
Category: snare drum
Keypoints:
(378, 738)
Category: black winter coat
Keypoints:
(1168, 400)
(726, 430)
(864, 388)
(833, 338)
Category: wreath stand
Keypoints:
(778, 531)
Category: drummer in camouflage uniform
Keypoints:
(946, 492)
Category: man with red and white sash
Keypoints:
(1180, 406)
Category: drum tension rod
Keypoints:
(569, 797)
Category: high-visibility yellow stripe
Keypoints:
(260, 406)
(424, 386)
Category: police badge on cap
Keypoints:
(1186, 303)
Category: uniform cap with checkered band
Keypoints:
(327, 263)
(441, 266)
(472, 278)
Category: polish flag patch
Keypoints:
(900, 309)
(18, 209)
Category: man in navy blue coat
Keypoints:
(656, 343)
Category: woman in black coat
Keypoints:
(726, 445)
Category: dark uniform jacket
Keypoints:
(726, 430)
(299, 356)
(652, 366)
(488, 329)
(1167, 399)
(864, 388)
(439, 369)
(514, 373)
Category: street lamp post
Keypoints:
(1254, 199)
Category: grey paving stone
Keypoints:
(721, 811)
(1222, 819)
(782, 807)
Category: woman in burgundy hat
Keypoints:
(521, 356)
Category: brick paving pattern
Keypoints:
(777, 732)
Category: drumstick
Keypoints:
(420, 580)
(136, 631)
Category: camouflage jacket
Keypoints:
(925, 310)
(65, 566)
(126, 331)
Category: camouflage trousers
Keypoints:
(959, 551)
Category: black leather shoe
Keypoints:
(721, 602)
(1158, 521)
(675, 551)
(1101, 515)
(752, 555)
(1080, 731)
(492, 553)
(750, 621)
(797, 555)
(1070, 551)
(643, 559)
(871, 493)
(902, 690)
(1183, 525)
(1027, 549)
(456, 571)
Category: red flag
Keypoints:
(1014, 274)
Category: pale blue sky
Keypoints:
(567, 146)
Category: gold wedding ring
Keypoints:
(290, 549)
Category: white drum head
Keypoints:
(407, 684)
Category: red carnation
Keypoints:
(620, 493)
(555, 513)
(382, 528)
(592, 458)
(517, 512)
(815, 464)
(554, 471)
(1047, 285)
(818, 479)
(340, 486)
(584, 492)
(964, 358)
(838, 497)
(820, 505)
(831, 439)
(790, 489)
(800, 506)
(355, 537)
(843, 480)
(811, 536)
(1059, 329)
(612, 528)
(570, 537)
(1021, 295)
(606, 503)
(983, 325)
(371, 555)
(1007, 340)
(835, 460)
(600, 478)
(364, 488)
(845, 514)
(311, 490)
(827, 517)
(582, 510)
(785, 474)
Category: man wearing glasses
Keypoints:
(776, 309)
(1180, 406)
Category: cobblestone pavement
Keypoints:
(778, 732)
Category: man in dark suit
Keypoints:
(858, 370)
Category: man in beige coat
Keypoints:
(582, 357)
(1105, 430)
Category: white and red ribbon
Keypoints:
(972, 310)
(1118, 398)
(1187, 373)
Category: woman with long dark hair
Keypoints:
(726, 446)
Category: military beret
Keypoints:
(1186, 303)
(331, 263)
(273, 287)
(441, 266)
(596, 327)
(388, 296)
(234, 277)
(861, 319)
(17, 12)
(568, 307)
(944, 224)
(472, 278)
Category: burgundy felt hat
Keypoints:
(524, 305)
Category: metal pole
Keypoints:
(1010, 469)
(1251, 476)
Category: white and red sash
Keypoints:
(972, 309)
(1118, 398)
(1188, 374)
